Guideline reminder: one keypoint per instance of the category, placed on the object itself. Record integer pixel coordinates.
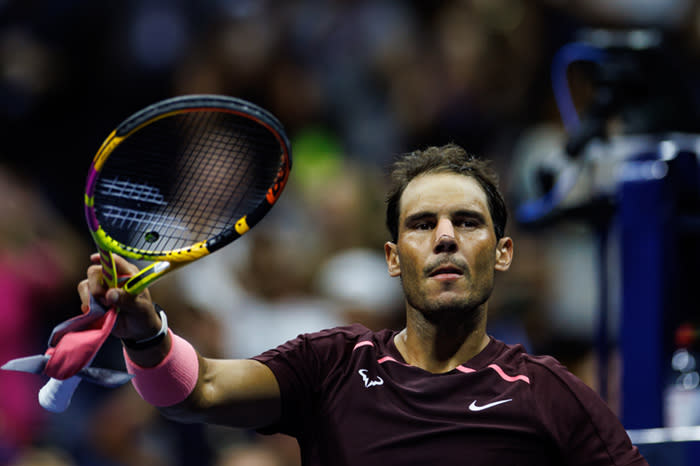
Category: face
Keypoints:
(447, 252)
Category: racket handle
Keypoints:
(55, 395)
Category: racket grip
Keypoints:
(55, 395)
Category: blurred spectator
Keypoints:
(40, 257)
(357, 280)
(117, 430)
(249, 455)
(43, 456)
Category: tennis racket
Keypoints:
(175, 182)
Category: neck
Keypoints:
(439, 347)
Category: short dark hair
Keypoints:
(449, 158)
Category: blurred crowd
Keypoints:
(354, 83)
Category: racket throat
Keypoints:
(142, 280)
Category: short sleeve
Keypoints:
(582, 425)
(301, 366)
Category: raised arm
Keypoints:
(239, 393)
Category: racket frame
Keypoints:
(166, 261)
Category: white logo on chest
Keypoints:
(367, 381)
(474, 407)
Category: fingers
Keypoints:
(137, 315)
(118, 297)
(124, 267)
(84, 294)
(95, 285)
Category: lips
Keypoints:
(446, 270)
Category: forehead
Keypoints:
(438, 192)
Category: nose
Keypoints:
(444, 237)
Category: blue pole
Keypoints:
(645, 215)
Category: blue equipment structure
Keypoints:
(660, 223)
(641, 188)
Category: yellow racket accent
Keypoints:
(108, 146)
(242, 225)
(113, 140)
(110, 267)
(159, 117)
(187, 254)
(142, 280)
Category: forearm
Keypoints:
(237, 393)
(189, 388)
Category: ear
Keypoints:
(504, 254)
(391, 253)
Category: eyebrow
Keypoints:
(470, 214)
(418, 216)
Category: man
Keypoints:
(441, 390)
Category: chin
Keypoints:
(446, 310)
(453, 307)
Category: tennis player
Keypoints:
(440, 391)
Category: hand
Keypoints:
(138, 318)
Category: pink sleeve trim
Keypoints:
(509, 378)
(361, 344)
(171, 381)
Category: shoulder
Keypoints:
(543, 366)
(350, 332)
(553, 386)
(308, 361)
(548, 371)
(326, 344)
(546, 375)
(344, 337)
(578, 419)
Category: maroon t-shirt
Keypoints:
(349, 398)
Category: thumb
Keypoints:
(115, 296)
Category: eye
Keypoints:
(469, 222)
(421, 223)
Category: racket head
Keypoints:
(184, 177)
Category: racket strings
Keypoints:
(226, 180)
(209, 195)
(184, 179)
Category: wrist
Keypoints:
(172, 379)
(150, 341)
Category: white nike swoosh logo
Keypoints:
(474, 407)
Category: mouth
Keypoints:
(446, 272)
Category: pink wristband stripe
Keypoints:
(171, 381)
